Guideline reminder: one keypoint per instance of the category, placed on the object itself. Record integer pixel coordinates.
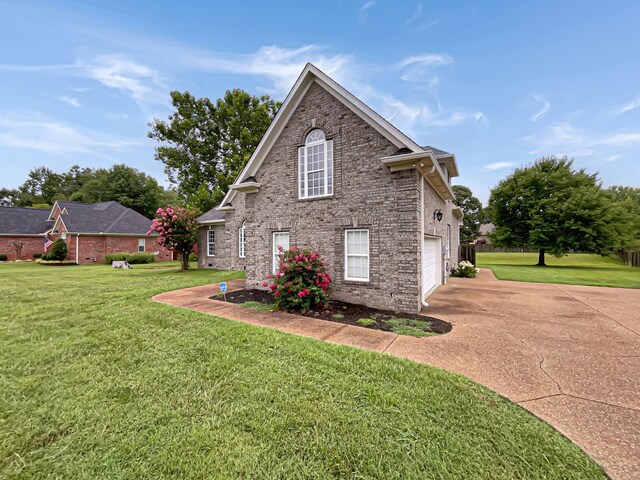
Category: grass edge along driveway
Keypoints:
(99, 381)
(572, 269)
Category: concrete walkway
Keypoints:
(569, 354)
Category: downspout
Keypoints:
(77, 246)
(422, 177)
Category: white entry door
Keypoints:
(430, 264)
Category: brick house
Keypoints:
(331, 174)
(23, 227)
(90, 230)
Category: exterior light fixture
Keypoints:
(437, 214)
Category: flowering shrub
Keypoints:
(465, 269)
(301, 282)
(177, 231)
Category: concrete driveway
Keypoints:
(569, 354)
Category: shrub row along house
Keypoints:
(332, 175)
(90, 230)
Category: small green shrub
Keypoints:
(37, 255)
(140, 257)
(337, 315)
(409, 326)
(411, 331)
(58, 251)
(260, 307)
(3, 257)
(132, 258)
(366, 322)
(193, 257)
(465, 270)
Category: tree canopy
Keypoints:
(552, 207)
(472, 209)
(121, 183)
(205, 145)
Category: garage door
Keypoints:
(430, 264)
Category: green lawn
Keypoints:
(97, 381)
(574, 269)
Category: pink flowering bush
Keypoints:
(301, 282)
(177, 231)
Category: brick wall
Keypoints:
(366, 195)
(220, 258)
(93, 248)
(31, 245)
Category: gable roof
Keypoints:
(103, 217)
(213, 215)
(309, 75)
(23, 221)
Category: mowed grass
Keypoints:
(98, 381)
(574, 269)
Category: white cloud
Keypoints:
(141, 83)
(417, 13)
(31, 130)
(612, 158)
(458, 118)
(565, 139)
(74, 102)
(632, 105)
(546, 106)
(367, 5)
(419, 68)
(498, 165)
(281, 65)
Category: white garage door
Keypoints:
(430, 264)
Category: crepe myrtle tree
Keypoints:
(177, 231)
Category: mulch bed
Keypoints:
(350, 313)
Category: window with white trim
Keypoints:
(141, 244)
(211, 242)
(241, 241)
(280, 239)
(356, 255)
(315, 166)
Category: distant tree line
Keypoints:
(124, 184)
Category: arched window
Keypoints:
(315, 166)
(242, 241)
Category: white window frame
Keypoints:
(346, 255)
(142, 243)
(211, 242)
(242, 241)
(303, 172)
(275, 252)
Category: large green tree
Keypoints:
(205, 145)
(552, 207)
(625, 214)
(472, 209)
(126, 185)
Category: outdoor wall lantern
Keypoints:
(437, 214)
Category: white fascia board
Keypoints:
(246, 187)
(212, 222)
(53, 209)
(457, 212)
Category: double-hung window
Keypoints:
(280, 239)
(356, 253)
(241, 241)
(141, 244)
(315, 166)
(211, 242)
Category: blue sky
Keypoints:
(498, 83)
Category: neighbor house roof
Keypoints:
(103, 217)
(212, 216)
(311, 74)
(486, 228)
(23, 221)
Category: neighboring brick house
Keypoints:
(90, 230)
(485, 230)
(332, 175)
(23, 227)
